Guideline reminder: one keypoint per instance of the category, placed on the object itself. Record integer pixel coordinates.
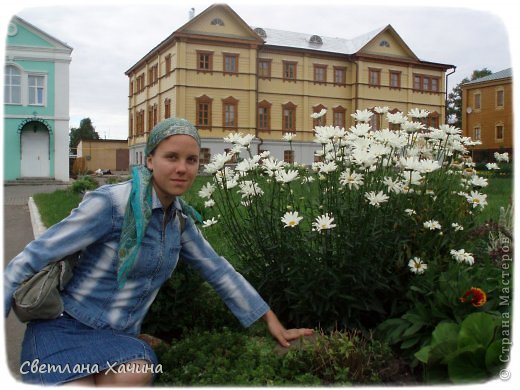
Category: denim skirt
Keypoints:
(64, 349)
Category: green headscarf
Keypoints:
(139, 208)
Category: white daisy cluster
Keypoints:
(408, 152)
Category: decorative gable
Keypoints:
(219, 21)
(24, 34)
(388, 44)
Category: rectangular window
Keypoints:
(425, 83)
(476, 101)
(231, 63)
(203, 114)
(340, 75)
(374, 77)
(289, 70)
(264, 69)
(13, 85)
(395, 79)
(36, 90)
(263, 118)
(339, 119)
(289, 119)
(167, 108)
(204, 61)
(288, 156)
(320, 73)
(434, 84)
(500, 98)
(230, 115)
(499, 132)
(476, 134)
(168, 64)
(204, 156)
(417, 82)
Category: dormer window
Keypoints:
(384, 43)
(316, 40)
(217, 22)
(261, 32)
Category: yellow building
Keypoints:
(226, 76)
(487, 114)
(104, 154)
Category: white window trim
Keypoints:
(44, 97)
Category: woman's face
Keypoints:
(174, 163)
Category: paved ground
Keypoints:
(18, 233)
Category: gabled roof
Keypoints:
(289, 39)
(297, 40)
(55, 42)
(503, 74)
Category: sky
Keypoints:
(108, 37)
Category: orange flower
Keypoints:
(476, 296)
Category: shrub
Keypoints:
(237, 358)
(472, 351)
(83, 184)
(335, 245)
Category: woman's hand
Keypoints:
(282, 335)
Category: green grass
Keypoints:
(55, 206)
(499, 194)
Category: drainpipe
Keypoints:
(446, 98)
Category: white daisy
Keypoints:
(323, 222)
(291, 219)
(209, 222)
(432, 224)
(417, 266)
(376, 199)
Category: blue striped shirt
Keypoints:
(93, 297)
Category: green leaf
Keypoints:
(424, 354)
(410, 342)
(468, 367)
(477, 328)
(445, 332)
(413, 329)
(493, 357)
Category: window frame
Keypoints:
(225, 57)
(477, 133)
(10, 85)
(317, 71)
(397, 74)
(500, 126)
(204, 100)
(499, 98)
(342, 112)
(267, 61)
(291, 108)
(477, 100)
(264, 104)
(377, 73)
(287, 65)
(35, 89)
(230, 101)
(321, 121)
(343, 73)
(209, 61)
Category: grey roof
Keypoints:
(503, 74)
(302, 41)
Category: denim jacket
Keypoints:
(93, 297)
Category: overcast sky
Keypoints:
(108, 37)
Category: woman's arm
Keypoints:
(278, 331)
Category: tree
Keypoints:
(455, 97)
(85, 131)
